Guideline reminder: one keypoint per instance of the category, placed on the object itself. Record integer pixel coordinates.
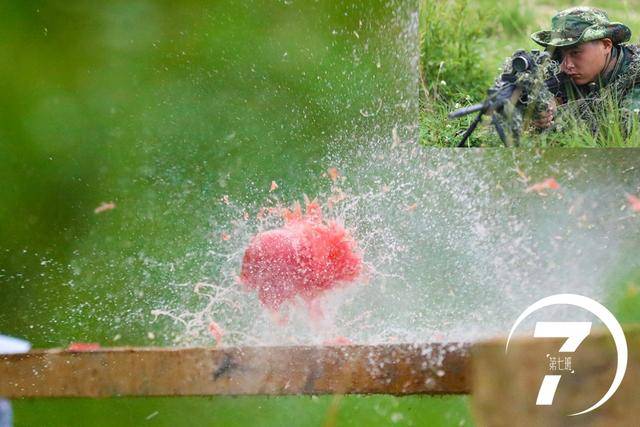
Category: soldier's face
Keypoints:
(584, 62)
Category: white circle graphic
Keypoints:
(605, 316)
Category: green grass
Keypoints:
(463, 46)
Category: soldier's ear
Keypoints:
(608, 44)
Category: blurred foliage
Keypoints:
(347, 411)
(161, 108)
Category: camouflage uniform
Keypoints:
(582, 24)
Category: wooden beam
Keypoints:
(439, 368)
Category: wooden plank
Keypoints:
(438, 368)
(505, 386)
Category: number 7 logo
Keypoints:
(575, 332)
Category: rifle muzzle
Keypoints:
(466, 110)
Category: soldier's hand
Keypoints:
(545, 119)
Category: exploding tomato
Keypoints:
(305, 258)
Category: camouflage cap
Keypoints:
(581, 24)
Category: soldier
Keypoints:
(595, 60)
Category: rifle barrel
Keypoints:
(466, 110)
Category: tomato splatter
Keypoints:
(333, 174)
(83, 346)
(216, 331)
(634, 202)
(339, 340)
(104, 206)
(547, 184)
(305, 258)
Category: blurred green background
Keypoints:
(161, 108)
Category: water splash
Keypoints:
(454, 243)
